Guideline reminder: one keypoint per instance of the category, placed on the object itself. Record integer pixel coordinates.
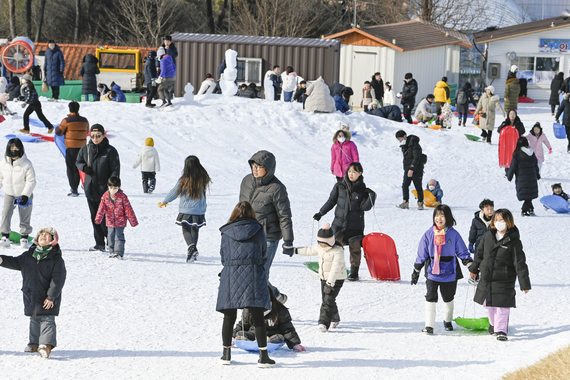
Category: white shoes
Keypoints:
(322, 328)
(5, 242)
(24, 243)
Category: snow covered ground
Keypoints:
(153, 316)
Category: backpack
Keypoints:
(461, 98)
(424, 159)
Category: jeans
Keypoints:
(416, 178)
(270, 255)
(329, 309)
(72, 171)
(148, 181)
(498, 317)
(37, 108)
(43, 330)
(463, 116)
(408, 112)
(287, 96)
(116, 240)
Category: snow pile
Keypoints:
(228, 84)
(152, 314)
(189, 93)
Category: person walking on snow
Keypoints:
(535, 140)
(487, 104)
(414, 161)
(270, 201)
(148, 157)
(525, 166)
(166, 77)
(565, 107)
(438, 251)
(481, 223)
(462, 99)
(89, 70)
(150, 77)
(512, 89)
(343, 152)
(408, 96)
(31, 100)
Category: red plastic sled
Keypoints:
(381, 257)
(507, 144)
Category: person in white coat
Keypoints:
(148, 157)
(319, 97)
(18, 178)
(208, 85)
(289, 83)
(388, 94)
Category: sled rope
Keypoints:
(466, 297)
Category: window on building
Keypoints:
(537, 70)
(123, 61)
(249, 71)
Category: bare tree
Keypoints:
(77, 20)
(28, 18)
(12, 6)
(210, 16)
(463, 15)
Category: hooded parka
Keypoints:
(319, 98)
(525, 166)
(89, 71)
(54, 66)
(488, 104)
(512, 91)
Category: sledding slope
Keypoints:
(153, 316)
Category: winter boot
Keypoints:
(192, 254)
(491, 330)
(5, 242)
(30, 348)
(420, 205)
(227, 356)
(353, 273)
(448, 315)
(404, 205)
(502, 336)
(264, 361)
(145, 185)
(151, 186)
(430, 317)
(44, 350)
(489, 134)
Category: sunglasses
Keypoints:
(96, 136)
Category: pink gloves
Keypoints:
(299, 348)
(549, 150)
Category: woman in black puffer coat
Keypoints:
(89, 71)
(243, 281)
(555, 87)
(500, 259)
(525, 166)
(351, 198)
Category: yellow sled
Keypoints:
(429, 198)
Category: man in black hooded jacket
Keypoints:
(414, 161)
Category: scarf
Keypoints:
(438, 241)
(40, 253)
(484, 219)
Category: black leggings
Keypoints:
(463, 115)
(230, 317)
(37, 108)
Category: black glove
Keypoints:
(538, 176)
(415, 276)
(557, 121)
(327, 289)
(288, 248)
(317, 216)
(88, 170)
(23, 200)
(484, 114)
(61, 73)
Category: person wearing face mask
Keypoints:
(116, 209)
(434, 188)
(414, 161)
(350, 198)
(18, 178)
(99, 161)
(343, 152)
(439, 251)
(499, 260)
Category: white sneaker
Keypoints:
(334, 325)
(322, 328)
(24, 243)
(5, 242)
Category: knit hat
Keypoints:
(325, 235)
(492, 88)
(49, 230)
(149, 141)
(432, 182)
(152, 54)
(97, 127)
(51, 42)
(160, 52)
(27, 77)
(555, 186)
(514, 68)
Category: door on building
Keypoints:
(363, 66)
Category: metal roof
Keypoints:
(235, 39)
(521, 29)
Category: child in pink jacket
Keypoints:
(116, 208)
(343, 152)
(535, 139)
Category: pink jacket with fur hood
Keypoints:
(342, 155)
(536, 144)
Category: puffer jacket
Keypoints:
(536, 142)
(512, 91)
(487, 104)
(412, 152)
(167, 67)
(319, 98)
(40, 280)
(351, 199)
(517, 123)
(342, 155)
(150, 72)
(424, 108)
(378, 87)
(54, 66)
(75, 128)
(289, 82)
(17, 176)
(500, 263)
(104, 160)
(478, 228)
(409, 92)
(564, 107)
(340, 104)
(283, 325)
(187, 205)
(208, 86)
(120, 94)
(30, 93)
(331, 261)
(89, 70)
(14, 89)
(437, 192)
(555, 88)
(441, 92)
(148, 156)
(243, 281)
(525, 166)
(269, 198)
(448, 264)
(387, 112)
(116, 212)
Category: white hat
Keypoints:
(514, 68)
(490, 88)
(160, 52)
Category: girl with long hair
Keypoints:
(525, 166)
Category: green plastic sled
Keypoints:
(15, 237)
(314, 266)
(473, 323)
(471, 137)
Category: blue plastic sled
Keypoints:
(559, 131)
(60, 143)
(24, 138)
(556, 203)
(251, 345)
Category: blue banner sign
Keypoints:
(548, 45)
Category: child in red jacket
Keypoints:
(116, 208)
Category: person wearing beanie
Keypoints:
(557, 190)
(150, 77)
(75, 129)
(18, 178)
(54, 66)
(332, 272)
(488, 102)
(512, 90)
(408, 96)
(31, 100)
(434, 188)
(99, 161)
(43, 276)
(148, 157)
(350, 198)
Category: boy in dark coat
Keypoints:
(43, 277)
(414, 161)
(378, 85)
(389, 112)
(480, 224)
(301, 93)
(89, 71)
(555, 88)
(408, 96)
(150, 77)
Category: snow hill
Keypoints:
(152, 316)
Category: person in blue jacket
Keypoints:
(120, 94)
(438, 249)
(341, 101)
(434, 188)
(243, 282)
(54, 66)
(167, 77)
